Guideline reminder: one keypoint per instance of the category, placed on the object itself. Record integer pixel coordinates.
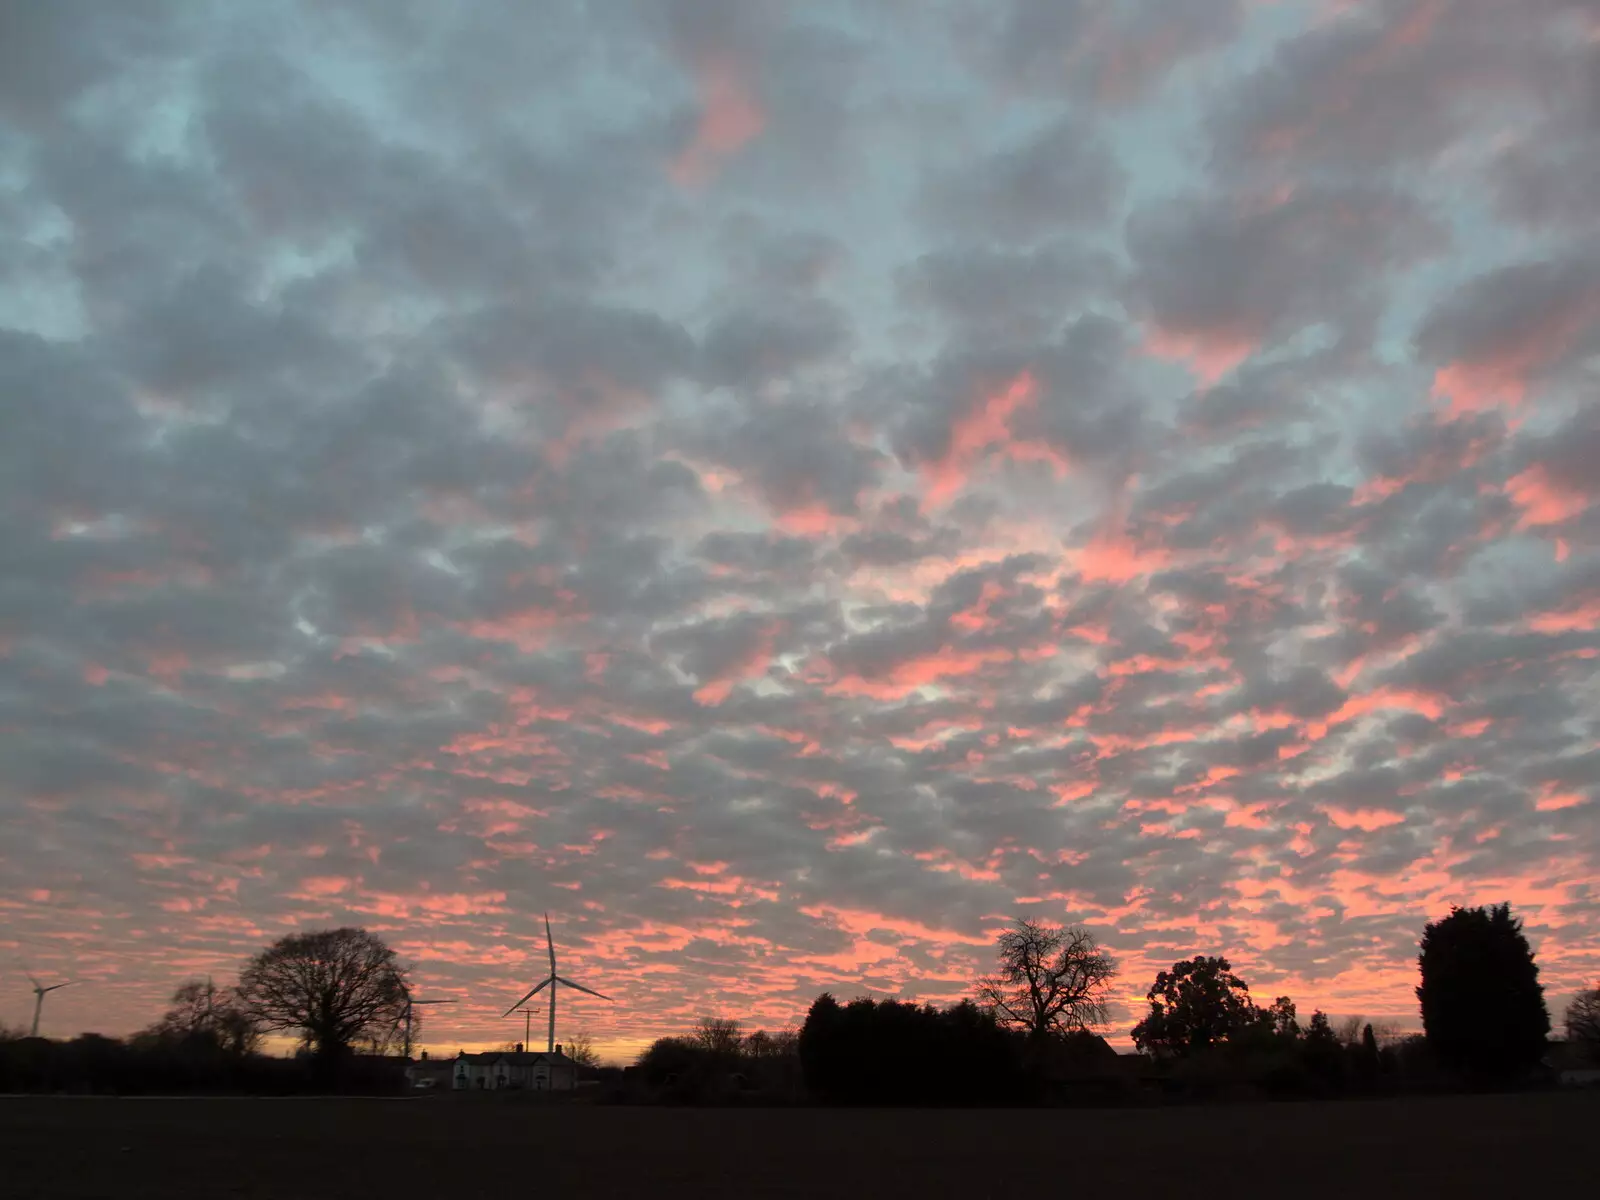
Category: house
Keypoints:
(429, 1074)
(1573, 1065)
(515, 1070)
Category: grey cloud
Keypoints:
(797, 453)
(52, 54)
(765, 260)
(1112, 54)
(1026, 292)
(1061, 177)
(1526, 318)
(747, 348)
(1241, 274)
(585, 352)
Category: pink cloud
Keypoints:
(1498, 367)
(1210, 356)
(983, 429)
(731, 114)
(324, 885)
(905, 677)
(1368, 820)
(1543, 499)
(751, 664)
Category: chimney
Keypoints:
(519, 1047)
(558, 1047)
(424, 1056)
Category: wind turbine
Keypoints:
(410, 1004)
(551, 981)
(39, 991)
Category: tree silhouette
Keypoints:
(1051, 980)
(204, 1016)
(895, 1052)
(721, 1037)
(1483, 1008)
(1280, 1019)
(579, 1048)
(822, 1061)
(1320, 1033)
(1583, 1022)
(334, 987)
(766, 1045)
(1195, 1005)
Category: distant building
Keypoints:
(1573, 1065)
(519, 1070)
(430, 1074)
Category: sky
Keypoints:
(786, 488)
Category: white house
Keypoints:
(1573, 1066)
(503, 1070)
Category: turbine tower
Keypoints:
(410, 1003)
(39, 991)
(553, 982)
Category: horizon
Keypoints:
(787, 488)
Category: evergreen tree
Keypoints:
(1483, 1008)
(1324, 1056)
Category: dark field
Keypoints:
(1500, 1146)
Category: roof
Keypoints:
(429, 1066)
(510, 1058)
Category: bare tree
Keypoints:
(761, 1044)
(719, 1035)
(1051, 980)
(1583, 1022)
(580, 1049)
(203, 1012)
(335, 987)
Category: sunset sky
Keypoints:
(788, 487)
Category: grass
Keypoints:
(1499, 1146)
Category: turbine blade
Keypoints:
(580, 987)
(551, 942)
(537, 988)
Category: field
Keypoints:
(442, 1146)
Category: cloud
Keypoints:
(1128, 466)
(1402, 85)
(998, 292)
(730, 115)
(1223, 279)
(1509, 329)
(1112, 54)
(1059, 177)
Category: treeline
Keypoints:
(340, 992)
(145, 1065)
(716, 1063)
(871, 1052)
(1029, 1037)
(897, 1053)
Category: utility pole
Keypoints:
(527, 1025)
